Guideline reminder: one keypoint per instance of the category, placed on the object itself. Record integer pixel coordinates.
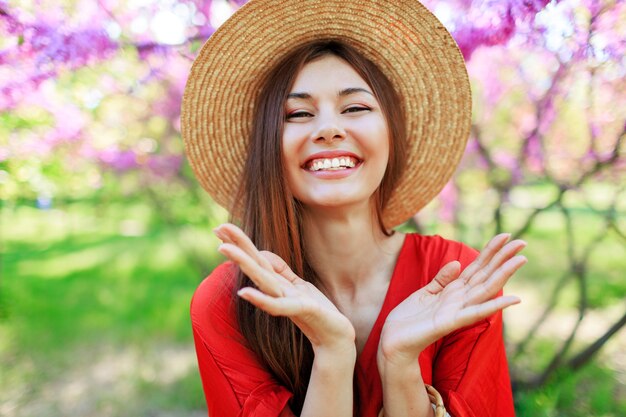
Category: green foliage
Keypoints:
(591, 392)
(88, 282)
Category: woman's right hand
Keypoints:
(280, 292)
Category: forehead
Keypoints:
(328, 71)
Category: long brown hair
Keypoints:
(272, 215)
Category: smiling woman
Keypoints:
(331, 113)
(323, 309)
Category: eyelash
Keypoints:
(353, 109)
(298, 114)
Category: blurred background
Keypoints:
(105, 234)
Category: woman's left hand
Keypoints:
(450, 301)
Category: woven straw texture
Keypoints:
(403, 38)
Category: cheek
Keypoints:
(382, 149)
(290, 141)
(378, 140)
(290, 159)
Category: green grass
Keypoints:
(94, 302)
(74, 286)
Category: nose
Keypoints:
(329, 130)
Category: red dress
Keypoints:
(468, 367)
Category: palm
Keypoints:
(304, 304)
(280, 292)
(425, 316)
(451, 301)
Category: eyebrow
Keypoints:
(342, 93)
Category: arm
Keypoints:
(330, 387)
(404, 392)
(448, 303)
(471, 371)
(235, 382)
(280, 292)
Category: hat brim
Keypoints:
(407, 42)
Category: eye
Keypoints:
(355, 109)
(299, 114)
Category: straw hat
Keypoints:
(408, 43)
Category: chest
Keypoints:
(363, 314)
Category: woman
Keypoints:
(340, 315)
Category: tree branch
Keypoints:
(587, 354)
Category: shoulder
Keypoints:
(216, 287)
(212, 304)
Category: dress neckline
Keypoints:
(371, 344)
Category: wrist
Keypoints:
(395, 359)
(335, 356)
(400, 373)
(339, 340)
(341, 345)
(394, 351)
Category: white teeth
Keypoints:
(332, 164)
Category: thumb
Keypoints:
(279, 265)
(446, 275)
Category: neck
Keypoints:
(348, 250)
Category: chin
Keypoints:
(334, 202)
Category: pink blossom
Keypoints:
(165, 165)
(45, 48)
(448, 198)
(470, 36)
(118, 160)
(492, 22)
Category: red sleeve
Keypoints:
(234, 382)
(470, 369)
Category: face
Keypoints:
(335, 139)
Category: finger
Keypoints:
(280, 266)
(221, 235)
(283, 306)
(446, 275)
(262, 277)
(490, 249)
(229, 233)
(489, 288)
(503, 255)
(472, 314)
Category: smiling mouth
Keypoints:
(331, 164)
